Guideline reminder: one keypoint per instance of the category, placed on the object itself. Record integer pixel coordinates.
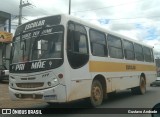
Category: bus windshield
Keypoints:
(38, 44)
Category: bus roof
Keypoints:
(102, 29)
(90, 25)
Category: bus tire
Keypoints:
(141, 89)
(96, 97)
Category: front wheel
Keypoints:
(96, 93)
(141, 89)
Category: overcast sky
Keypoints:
(137, 19)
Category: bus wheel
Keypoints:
(140, 89)
(96, 93)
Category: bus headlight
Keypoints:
(53, 82)
(11, 84)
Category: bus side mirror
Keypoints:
(156, 108)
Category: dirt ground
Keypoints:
(6, 102)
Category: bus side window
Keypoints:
(115, 47)
(77, 39)
(83, 44)
(147, 54)
(70, 37)
(138, 52)
(152, 55)
(77, 45)
(128, 50)
(98, 43)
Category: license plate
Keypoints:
(50, 97)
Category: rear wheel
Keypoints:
(141, 89)
(96, 93)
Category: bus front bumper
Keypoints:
(53, 94)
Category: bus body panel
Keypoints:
(31, 84)
(117, 76)
(50, 95)
(76, 83)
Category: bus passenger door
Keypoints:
(78, 58)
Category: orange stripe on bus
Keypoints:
(99, 66)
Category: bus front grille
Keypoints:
(29, 85)
(29, 96)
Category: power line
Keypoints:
(41, 10)
(105, 7)
(123, 18)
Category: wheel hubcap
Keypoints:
(96, 93)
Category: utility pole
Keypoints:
(20, 10)
(69, 7)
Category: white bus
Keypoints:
(61, 58)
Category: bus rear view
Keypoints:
(37, 61)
